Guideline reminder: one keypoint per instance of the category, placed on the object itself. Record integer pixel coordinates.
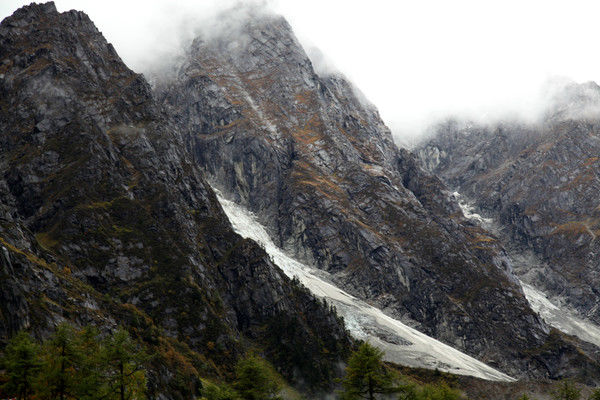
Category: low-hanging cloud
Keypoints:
(557, 99)
(472, 59)
(149, 35)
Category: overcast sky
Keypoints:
(415, 60)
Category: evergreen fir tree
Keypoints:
(440, 391)
(212, 391)
(566, 390)
(124, 361)
(408, 392)
(595, 395)
(62, 358)
(366, 375)
(89, 374)
(22, 363)
(255, 379)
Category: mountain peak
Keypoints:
(252, 39)
(98, 183)
(35, 9)
(320, 170)
(571, 100)
(36, 13)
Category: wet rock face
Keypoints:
(314, 161)
(540, 184)
(105, 220)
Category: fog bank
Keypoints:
(416, 61)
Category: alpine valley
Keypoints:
(241, 203)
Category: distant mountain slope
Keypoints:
(317, 165)
(541, 183)
(105, 220)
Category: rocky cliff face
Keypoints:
(317, 165)
(105, 220)
(540, 183)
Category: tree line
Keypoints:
(80, 364)
(73, 364)
(367, 377)
(566, 390)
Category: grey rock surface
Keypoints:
(314, 161)
(104, 219)
(540, 183)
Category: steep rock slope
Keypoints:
(105, 220)
(540, 183)
(317, 165)
(401, 344)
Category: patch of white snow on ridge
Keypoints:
(401, 344)
(564, 320)
(557, 316)
(468, 210)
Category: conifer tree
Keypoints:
(212, 391)
(566, 390)
(255, 379)
(22, 363)
(366, 375)
(595, 395)
(439, 391)
(408, 391)
(62, 358)
(124, 362)
(89, 374)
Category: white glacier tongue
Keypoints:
(559, 317)
(401, 344)
(468, 211)
(562, 319)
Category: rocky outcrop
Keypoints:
(539, 182)
(105, 220)
(317, 165)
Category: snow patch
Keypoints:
(469, 211)
(401, 344)
(562, 319)
(557, 316)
